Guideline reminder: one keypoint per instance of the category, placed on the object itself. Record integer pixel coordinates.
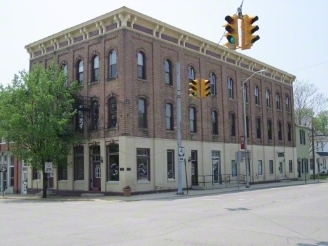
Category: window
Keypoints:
(169, 116)
(62, 170)
(233, 168)
(192, 119)
(260, 170)
(245, 91)
(65, 70)
(11, 170)
(141, 66)
(287, 103)
(79, 71)
(257, 97)
(113, 167)
(94, 115)
(268, 98)
(112, 61)
(247, 127)
(289, 132)
(279, 131)
(302, 137)
(78, 163)
(270, 166)
(278, 101)
(112, 114)
(258, 128)
(269, 129)
(36, 173)
(213, 83)
(170, 165)
(142, 113)
(290, 166)
(232, 122)
(324, 166)
(230, 87)
(143, 164)
(215, 123)
(191, 73)
(168, 72)
(95, 69)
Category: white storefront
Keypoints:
(7, 178)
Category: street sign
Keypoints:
(3, 168)
(181, 151)
(181, 158)
(48, 167)
(242, 142)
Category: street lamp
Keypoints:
(245, 123)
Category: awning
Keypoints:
(322, 154)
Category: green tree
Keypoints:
(36, 112)
(321, 122)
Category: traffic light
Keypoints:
(232, 31)
(194, 88)
(248, 39)
(205, 88)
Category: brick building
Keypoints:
(125, 63)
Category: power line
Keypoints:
(309, 66)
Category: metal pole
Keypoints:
(3, 184)
(186, 174)
(313, 154)
(245, 131)
(179, 129)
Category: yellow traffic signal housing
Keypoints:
(194, 88)
(248, 39)
(232, 34)
(205, 88)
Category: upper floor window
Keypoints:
(142, 113)
(215, 123)
(289, 132)
(191, 73)
(302, 137)
(268, 98)
(192, 119)
(230, 88)
(95, 69)
(168, 72)
(112, 68)
(258, 128)
(79, 118)
(279, 131)
(65, 70)
(245, 92)
(232, 122)
(287, 103)
(141, 65)
(278, 101)
(257, 97)
(79, 71)
(169, 116)
(112, 112)
(94, 115)
(269, 129)
(213, 83)
(247, 127)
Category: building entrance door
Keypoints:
(281, 170)
(194, 168)
(96, 176)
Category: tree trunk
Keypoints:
(44, 175)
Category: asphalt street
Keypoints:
(296, 215)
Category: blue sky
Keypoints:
(293, 33)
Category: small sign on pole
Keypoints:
(48, 167)
(3, 168)
(242, 142)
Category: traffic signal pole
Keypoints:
(180, 163)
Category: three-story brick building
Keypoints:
(125, 63)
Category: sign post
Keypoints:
(48, 167)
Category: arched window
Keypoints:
(95, 69)
(268, 98)
(79, 71)
(287, 103)
(258, 128)
(141, 65)
(191, 73)
(269, 129)
(112, 112)
(192, 119)
(279, 131)
(169, 116)
(168, 72)
(213, 83)
(215, 123)
(257, 96)
(289, 132)
(65, 70)
(94, 115)
(232, 122)
(142, 113)
(278, 101)
(230, 88)
(112, 61)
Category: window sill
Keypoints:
(62, 181)
(140, 181)
(193, 133)
(170, 131)
(231, 99)
(113, 182)
(271, 174)
(171, 180)
(143, 129)
(93, 82)
(169, 85)
(111, 129)
(142, 80)
(268, 107)
(112, 78)
(78, 181)
(37, 179)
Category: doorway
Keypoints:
(299, 168)
(281, 170)
(194, 168)
(216, 167)
(95, 169)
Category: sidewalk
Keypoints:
(164, 195)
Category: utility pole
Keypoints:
(313, 154)
(180, 162)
